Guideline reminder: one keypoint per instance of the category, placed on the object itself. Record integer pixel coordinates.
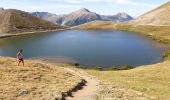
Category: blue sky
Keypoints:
(105, 7)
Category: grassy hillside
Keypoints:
(103, 25)
(159, 33)
(153, 80)
(34, 81)
(158, 16)
(16, 21)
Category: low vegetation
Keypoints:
(34, 81)
(125, 67)
(114, 68)
(152, 80)
(166, 55)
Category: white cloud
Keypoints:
(32, 5)
(133, 3)
(123, 2)
(71, 2)
(82, 1)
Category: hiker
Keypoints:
(20, 57)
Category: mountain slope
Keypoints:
(16, 21)
(80, 17)
(158, 16)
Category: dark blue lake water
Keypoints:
(94, 48)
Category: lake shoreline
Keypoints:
(158, 39)
(6, 35)
(153, 32)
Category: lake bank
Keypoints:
(158, 33)
(144, 82)
(6, 35)
(151, 80)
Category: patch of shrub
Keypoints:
(76, 64)
(98, 68)
(125, 67)
(114, 68)
(166, 55)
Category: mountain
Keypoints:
(80, 17)
(1, 9)
(158, 16)
(118, 17)
(16, 21)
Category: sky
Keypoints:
(134, 8)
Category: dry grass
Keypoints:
(99, 25)
(153, 80)
(158, 16)
(34, 81)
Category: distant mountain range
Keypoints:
(16, 21)
(80, 17)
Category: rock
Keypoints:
(22, 92)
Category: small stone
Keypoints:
(22, 92)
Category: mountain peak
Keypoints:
(84, 10)
(122, 14)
